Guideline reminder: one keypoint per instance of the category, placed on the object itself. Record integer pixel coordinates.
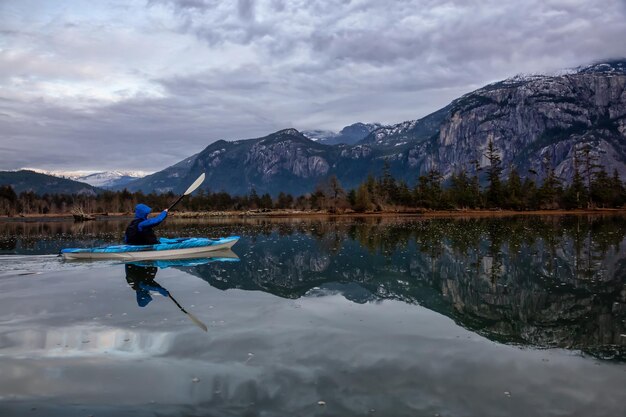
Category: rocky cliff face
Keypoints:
(535, 122)
(283, 152)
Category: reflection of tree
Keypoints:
(8, 244)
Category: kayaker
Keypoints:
(139, 231)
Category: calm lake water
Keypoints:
(515, 316)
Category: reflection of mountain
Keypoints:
(548, 283)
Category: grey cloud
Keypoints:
(298, 63)
(278, 5)
(246, 9)
(367, 46)
(186, 5)
(374, 33)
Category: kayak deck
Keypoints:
(167, 249)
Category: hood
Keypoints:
(142, 211)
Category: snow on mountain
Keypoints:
(614, 67)
(112, 179)
(104, 179)
(349, 135)
(320, 135)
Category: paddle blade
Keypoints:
(195, 185)
(198, 322)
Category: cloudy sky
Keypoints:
(142, 84)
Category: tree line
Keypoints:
(489, 188)
(484, 188)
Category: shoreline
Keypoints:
(308, 213)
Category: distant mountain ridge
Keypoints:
(104, 179)
(39, 183)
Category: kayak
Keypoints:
(181, 248)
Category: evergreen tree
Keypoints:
(589, 167)
(403, 194)
(373, 190)
(254, 200)
(601, 188)
(513, 189)
(318, 199)
(8, 200)
(575, 194)
(461, 192)
(387, 184)
(352, 197)
(494, 189)
(551, 190)
(266, 201)
(530, 198)
(476, 184)
(284, 201)
(362, 199)
(618, 190)
(429, 192)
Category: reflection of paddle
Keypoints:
(190, 190)
(191, 316)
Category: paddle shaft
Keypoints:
(176, 302)
(191, 316)
(176, 202)
(190, 190)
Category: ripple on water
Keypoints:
(12, 265)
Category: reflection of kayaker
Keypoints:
(141, 279)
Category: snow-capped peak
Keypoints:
(103, 179)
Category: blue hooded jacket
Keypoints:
(142, 211)
(139, 232)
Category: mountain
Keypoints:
(535, 122)
(25, 180)
(349, 135)
(106, 179)
(285, 160)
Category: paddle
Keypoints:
(190, 190)
(191, 316)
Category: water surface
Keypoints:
(347, 316)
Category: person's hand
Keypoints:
(166, 210)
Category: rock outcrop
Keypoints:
(535, 122)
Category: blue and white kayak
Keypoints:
(192, 247)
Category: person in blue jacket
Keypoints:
(139, 231)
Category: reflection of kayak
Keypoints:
(220, 255)
(181, 248)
